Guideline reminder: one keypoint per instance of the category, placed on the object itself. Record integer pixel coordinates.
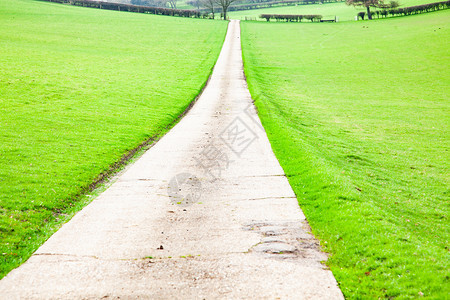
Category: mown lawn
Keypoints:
(358, 116)
(79, 88)
(328, 10)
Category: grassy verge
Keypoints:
(79, 88)
(358, 114)
(327, 10)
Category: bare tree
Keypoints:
(225, 4)
(209, 4)
(196, 3)
(367, 4)
(172, 3)
(157, 3)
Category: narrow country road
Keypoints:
(206, 213)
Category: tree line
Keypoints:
(157, 10)
(392, 8)
(255, 4)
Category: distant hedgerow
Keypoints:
(268, 4)
(406, 11)
(291, 18)
(134, 8)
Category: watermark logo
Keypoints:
(184, 189)
(252, 115)
(213, 161)
(238, 136)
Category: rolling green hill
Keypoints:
(358, 115)
(79, 89)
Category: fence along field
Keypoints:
(79, 89)
(206, 12)
(357, 114)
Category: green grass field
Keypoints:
(328, 10)
(79, 88)
(358, 115)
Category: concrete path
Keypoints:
(206, 213)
